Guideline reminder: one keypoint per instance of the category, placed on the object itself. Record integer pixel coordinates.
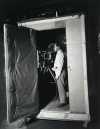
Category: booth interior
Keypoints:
(48, 90)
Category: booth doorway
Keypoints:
(48, 90)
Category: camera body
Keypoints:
(46, 59)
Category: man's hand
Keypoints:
(53, 69)
(56, 77)
(56, 74)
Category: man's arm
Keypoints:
(58, 64)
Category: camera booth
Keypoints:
(31, 88)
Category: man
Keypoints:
(60, 73)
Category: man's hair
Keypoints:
(60, 45)
(51, 47)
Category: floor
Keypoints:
(54, 106)
(52, 124)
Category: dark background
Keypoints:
(12, 11)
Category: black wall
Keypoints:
(93, 62)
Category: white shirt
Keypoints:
(58, 63)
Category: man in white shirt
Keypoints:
(60, 73)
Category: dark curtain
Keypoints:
(23, 75)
